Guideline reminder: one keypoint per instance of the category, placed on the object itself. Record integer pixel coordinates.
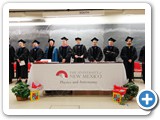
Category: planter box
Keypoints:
(21, 99)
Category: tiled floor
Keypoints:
(73, 102)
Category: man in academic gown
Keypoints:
(65, 51)
(51, 52)
(142, 59)
(22, 54)
(129, 55)
(11, 62)
(110, 51)
(36, 53)
(79, 52)
(95, 53)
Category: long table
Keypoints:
(79, 77)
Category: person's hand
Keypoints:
(18, 60)
(76, 56)
(81, 56)
(129, 60)
(95, 61)
(64, 60)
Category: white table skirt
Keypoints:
(84, 76)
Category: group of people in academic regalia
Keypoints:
(79, 53)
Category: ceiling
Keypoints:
(70, 12)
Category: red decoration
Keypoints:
(35, 86)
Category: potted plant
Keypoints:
(132, 91)
(21, 91)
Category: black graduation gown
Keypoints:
(36, 54)
(142, 55)
(142, 59)
(79, 50)
(110, 52)
(22, 54)
(11, 60)
(126, 54)
(50, 52)
(95, 53)
(65, 52)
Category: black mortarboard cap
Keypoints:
(64, 38)
(36, 41)
(112, 39)
(94, 39)
(129, 38)
(21, 41)
(51, 40)
(77, 38)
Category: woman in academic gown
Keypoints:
(110, 51)
(11, 62)
(65, 51)
(36, 53)
(22, 54)
(95, 53)
(79, 52)
(129, 55)
(51, 52)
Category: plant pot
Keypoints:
(21, 99)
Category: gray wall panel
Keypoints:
(86, 32)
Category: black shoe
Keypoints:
(18, 81)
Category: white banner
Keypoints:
(84, 76)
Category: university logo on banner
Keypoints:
(62, 74)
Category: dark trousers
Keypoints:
(11, 72)
(129, 70)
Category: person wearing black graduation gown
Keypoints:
(79, 52)
(22, 54)
(65, 51)
(51, 52)
(95, 53)
(142, 59)
(65, 54)
(129, 55)
(36, 53)
(11, 62)
(110, 51)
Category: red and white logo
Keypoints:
(62, 74)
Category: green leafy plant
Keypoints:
(21, 90)
(132, 91)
